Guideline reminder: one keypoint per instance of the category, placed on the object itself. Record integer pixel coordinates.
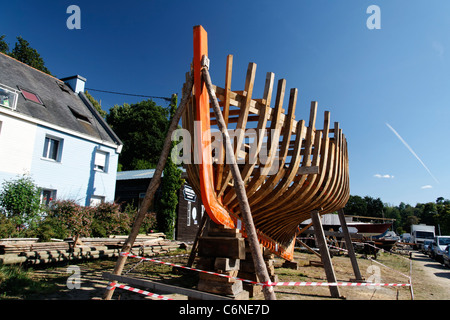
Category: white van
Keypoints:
(439, 245)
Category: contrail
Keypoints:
(412, 151)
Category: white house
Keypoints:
(50, 130)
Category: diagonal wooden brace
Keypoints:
(258, 260)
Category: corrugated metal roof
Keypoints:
(138, 174)
(135, 174)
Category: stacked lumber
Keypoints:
(29, 251)
(160, 248)
(118, 240)
(58, 255)
(25, 246)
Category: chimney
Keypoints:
(76, 83)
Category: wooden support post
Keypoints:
(324, 252)
(201, 228)
(260, 266)
(154, 184)
(349, 245)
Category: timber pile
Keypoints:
(27, 246)
(51, 255)
(13, 251)
(118, 240)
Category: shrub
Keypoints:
(148, 224)
(7, 227)
(69, 218)
(20, 202)
(108, 220)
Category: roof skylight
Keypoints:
(31, 96)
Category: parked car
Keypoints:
(446, 257)
(426, 244)
(439, 245)
(430, 251)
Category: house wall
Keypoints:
(73, 177)
(17, 140)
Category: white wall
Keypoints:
(17, 139)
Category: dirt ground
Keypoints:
(430, 279)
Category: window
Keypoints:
(101, 161)
(8, 97)
(31, 96)
(48, 196)
(52, 149)
(79, 116)
(63, 87)
(96, 200)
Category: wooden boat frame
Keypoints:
(312, 163)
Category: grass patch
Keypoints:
(17, 282)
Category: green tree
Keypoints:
(170, 184)
(356, 206)
(96, 104)
(142, 127)
(374, 207)
(20, 202)
(4, 47)
(26, 54)
(394, 213)
(429, 212)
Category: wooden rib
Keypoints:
(309, 192)
(275, 180)
(260, 177)
(306, 161)
(241, 125)
(260, 129)
(225, 112)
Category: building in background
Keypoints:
(131, 188)
(50, 130)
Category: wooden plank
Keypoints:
(162, 287)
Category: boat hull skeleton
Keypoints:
(289, 168)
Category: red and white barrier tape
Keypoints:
(340, 284)
(188, 268)
(146, 293)
(337, 248)
(327, 284)
(390, 268)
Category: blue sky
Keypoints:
(387, 87)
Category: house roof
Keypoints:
(62, 107)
